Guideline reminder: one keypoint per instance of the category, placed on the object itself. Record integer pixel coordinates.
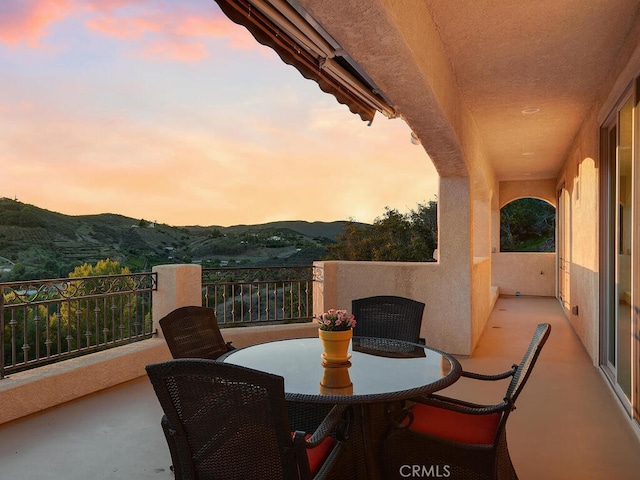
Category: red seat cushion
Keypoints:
(459, 427)
(317, 455)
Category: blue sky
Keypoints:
(168, 111)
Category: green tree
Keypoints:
(26, 326)
(103, 267)
(88, 321)
(18, 271)
(393, 237)
(527, 225)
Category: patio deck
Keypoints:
(568, 424)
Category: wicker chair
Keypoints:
(228, 422)
(193, 332)
(461, 439)
(388, 316)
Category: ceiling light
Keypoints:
(529, 111)
(527, 154)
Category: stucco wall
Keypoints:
(445, 324)
(526, 273)
(32, 391)
(483, 297)
(581, 176)
(541, 189)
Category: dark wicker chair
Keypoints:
(193, 332)
(388, 316)
(461, 439)
(228, 422)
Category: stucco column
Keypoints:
(455, 243)
(178, 286)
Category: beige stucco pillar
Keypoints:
(455, 245)
(178, 286)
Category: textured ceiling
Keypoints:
(550, 55)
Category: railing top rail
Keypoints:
(38, 291)
(92, 277)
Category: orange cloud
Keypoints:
(27, 21)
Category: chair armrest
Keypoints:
(300, 443)
(329, 425)
(230, 347)
(499, 376)
(462, 406)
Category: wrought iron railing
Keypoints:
(246, 296)
(43, 321)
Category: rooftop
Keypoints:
(567, 425)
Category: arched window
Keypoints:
(527, 225)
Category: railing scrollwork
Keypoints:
(42, 321)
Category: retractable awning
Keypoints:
(301, 42)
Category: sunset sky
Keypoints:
(166, 110)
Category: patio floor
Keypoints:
(567, 425)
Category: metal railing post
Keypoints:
(1, 333)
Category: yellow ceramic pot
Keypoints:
(335, 346)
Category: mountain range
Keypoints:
(38, 243)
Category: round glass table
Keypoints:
(380, 375)
(379, 369)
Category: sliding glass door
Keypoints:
(618, 249)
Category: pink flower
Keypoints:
(336, 320)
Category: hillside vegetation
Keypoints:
(36, 243)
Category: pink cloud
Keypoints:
(121, 27)
(155, 29)
(110, 5)
(27, 21)
(217, 27)
(180, 51)
(166, 30)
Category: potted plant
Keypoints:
(335, 332)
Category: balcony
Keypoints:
(568, 423)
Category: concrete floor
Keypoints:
(568, 425)
(114, 435)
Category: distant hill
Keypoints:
(38, 243)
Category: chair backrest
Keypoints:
(193, 332)
(388, 316)
(225, 421)
(528, 361)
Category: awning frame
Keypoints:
(301, 42)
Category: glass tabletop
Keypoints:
(378, 370)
